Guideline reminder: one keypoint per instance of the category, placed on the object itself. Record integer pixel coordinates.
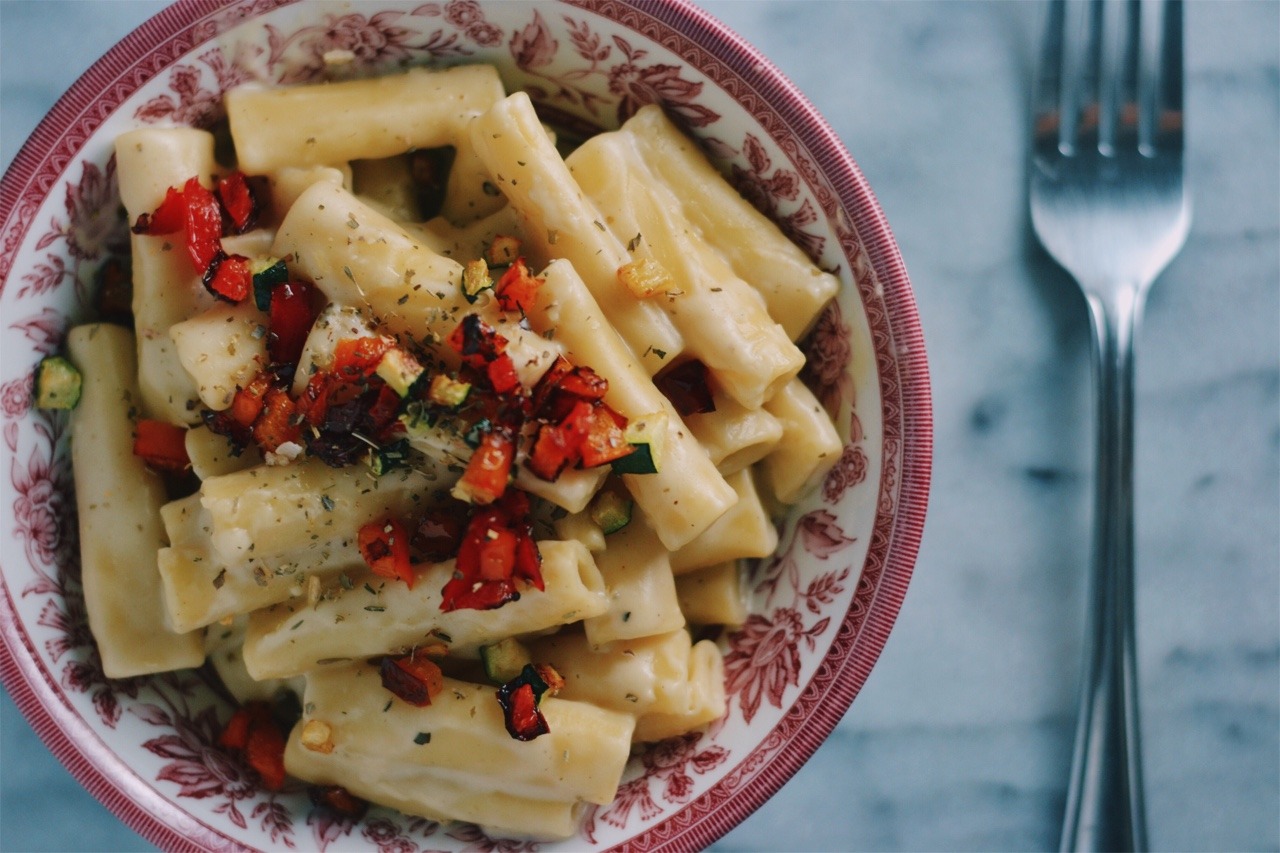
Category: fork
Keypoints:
(1108, 202)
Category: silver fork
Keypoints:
(1109, 203)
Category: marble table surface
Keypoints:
(961, 738)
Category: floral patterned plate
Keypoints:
(821, 608)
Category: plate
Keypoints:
(821, 608)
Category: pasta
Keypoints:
(460, 440)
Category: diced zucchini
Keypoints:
(504, 660)
(399, 370)
(611, 510)
(476, 279)
(389, 457)
(447, 392)
(57, 384)
(503, 250)
(646, 434)
(267, 274)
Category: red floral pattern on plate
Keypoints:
(591, 61)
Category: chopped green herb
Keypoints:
(422, 738)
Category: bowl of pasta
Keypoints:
(447, 425)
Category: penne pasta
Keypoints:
(734, 436)
(641, 591)
(274, 510)
(687, 493)
(714, 595)
(118, 501)
(454, 758)
(794, 289)
(560, 223)
(332, 123)
(746, 530)
(366, 616)
(723, 321)
(810, 445)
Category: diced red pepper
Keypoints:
(161, 445)
(247, 404)
(291, 315)
(476, 341)
(413, 678)
(519, 699)
(603, 439)
(360, 356)
(192, 209)
(385, 547)
(384, 413)
(502, 374)
(228, 277)
(553, 450)
(338, 800)
(501, 565)
(169, 218)
(547, 386)
(238, 201)
(203, 225)
(497, 556)
(688, 386)
(517, 289)
(313, 403)
(252, 732)
(489, 468)
(235, 735)
(584, 383)
(439, 533)
(265, 753)
(277, 424)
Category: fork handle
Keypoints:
(1104, 800)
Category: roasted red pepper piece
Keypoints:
(338, 800)
(277, 424)
(354, 357)
(228, 277)
(385, 547)
(252, 732)
(413, 678)
(519, 699)
(501, 565)
(439, 533)
(489, 468)
(477, 342)
(247, 404)
(688, 386)
(603, 440)
(291, 314)
(553, 450)
(502, 374)
(192, 209)
(161, 445)
(203, 224)
(169, 218)
(238, 201)
(517, 289)
(265, 753)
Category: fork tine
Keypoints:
(1079, 75)
(1046, 106)
(1118, 115)
(1160, 84)
(1169, 93)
